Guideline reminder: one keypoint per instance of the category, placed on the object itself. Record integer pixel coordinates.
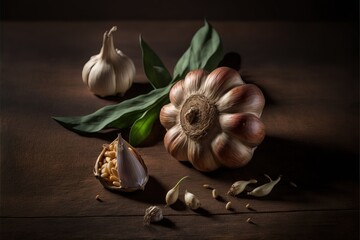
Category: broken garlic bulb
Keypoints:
(212, 120)
(191, 200)
(110, 72)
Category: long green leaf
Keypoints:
(142, 127)
(154, 68)
(119, 115)
(205, 52)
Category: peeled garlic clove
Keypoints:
(191, 201)
(173, 194)
(265, 189)
(239, 186)
(110, 72)
(130, 166)
(153, 214)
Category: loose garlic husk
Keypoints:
(110, 72)
(153, 214)
(173, 194)
(265, 189)
(239, 186)
(212, 120)
(191, 200)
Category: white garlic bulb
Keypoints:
(110, 72)
(191, 200)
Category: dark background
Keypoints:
(258, 10)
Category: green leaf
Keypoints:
(142, 127)
(205, 52)
(119, 115)
(154, 68)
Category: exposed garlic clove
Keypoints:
(168, 116)
(244, 98)
(239, 186)
(132, 172)
(176, 94)
(173, 194)
(220, 81)
(110, 72)
(245, 126)
(265, 189)
(231, 152)
(196, 155)
(175, 142)
(191, 201)
(194, 81)
(153, 214)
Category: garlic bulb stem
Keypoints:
(264, 189)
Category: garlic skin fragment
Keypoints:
(265, 189)
(191, 200)
(153, 214)
(173, 194)
(132, 173)
(110, 72)
(239, 186)
(213, 119)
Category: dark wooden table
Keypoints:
(309, 72)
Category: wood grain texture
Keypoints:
(307, 71)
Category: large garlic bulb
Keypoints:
(110, 72)
(212, 120)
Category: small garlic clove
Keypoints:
(132, 172)
(173, 194)
(153, 214)
(244, 98)
(246, 127)
(194, 81)
(264, 189)
(175, 141)
(231, 152)
(176, 94)
(100, 71)
(239, 186)
(191, 201)
(169, 115)
(220, 81)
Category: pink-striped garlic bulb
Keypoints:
(212, 120)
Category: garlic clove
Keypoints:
(220, 81)
(239, 186)
(194, 81)
(173, 194)
(244, 98)
(176, 143)
(191, 200)
(102, 70)
(169, 116)
(87, 68)
(246, 127)
(176, 94)
(264, 189)
(196, 155)
(231, 152)
(132, 171)
(124, 79)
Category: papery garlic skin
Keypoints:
(110, 72)
(264, 189)
(213, 119)
(191, 200)
(153, 214)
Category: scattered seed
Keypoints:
(249, 220)
(247, 205)
(98, 198)
(228, 206)
(214, 194)
(293, 184)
